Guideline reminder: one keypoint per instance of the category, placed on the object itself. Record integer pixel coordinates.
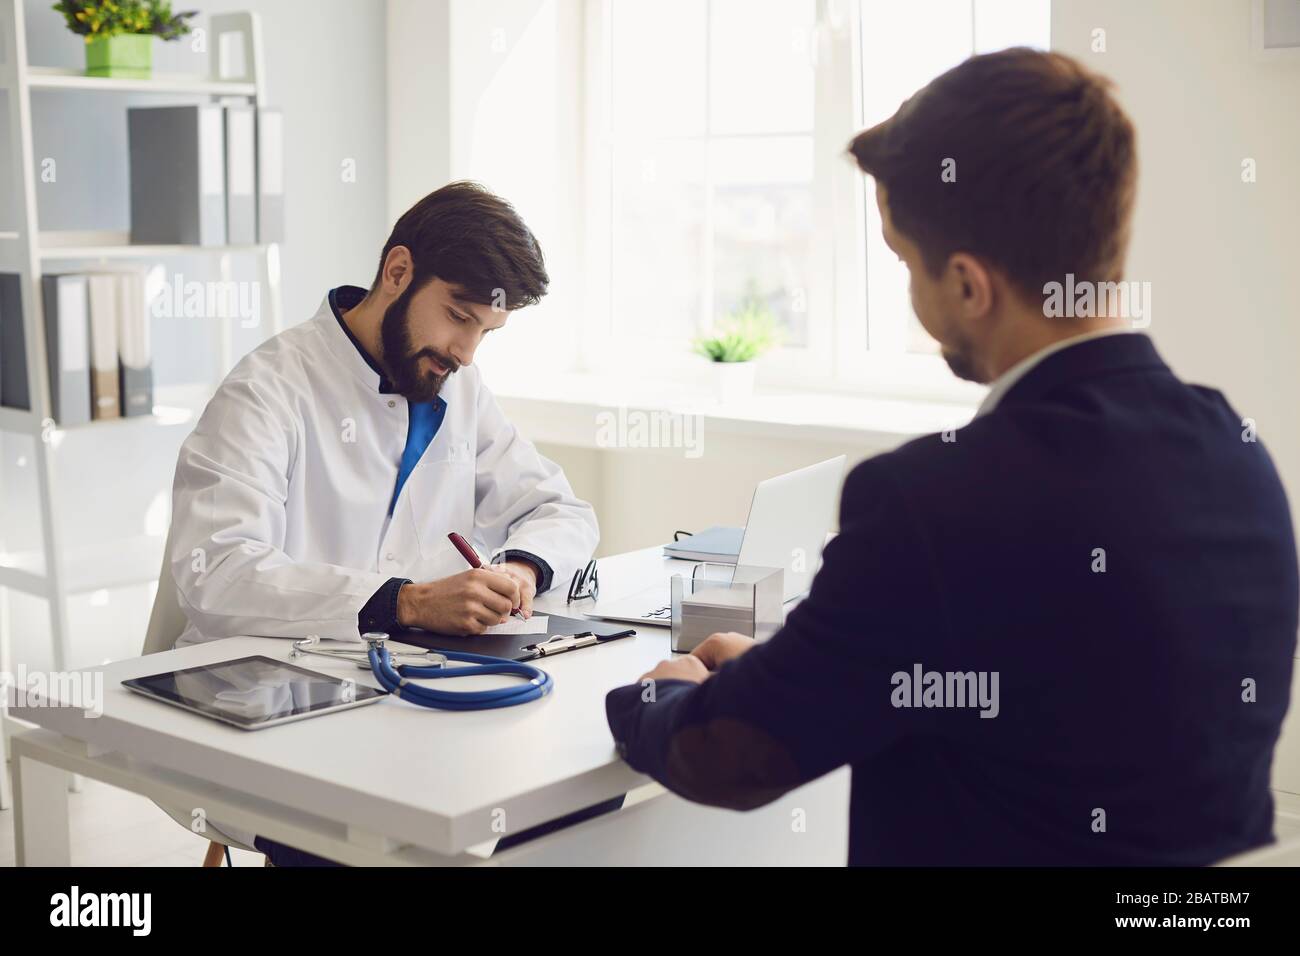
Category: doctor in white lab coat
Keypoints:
(316, 493)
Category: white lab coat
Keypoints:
(280, 504)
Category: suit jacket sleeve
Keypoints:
(819, 693)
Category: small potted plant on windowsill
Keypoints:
(119, 33)
(737, 342)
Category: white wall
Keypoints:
(418, 83)
(1221, 255)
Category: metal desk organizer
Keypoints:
(725, 597)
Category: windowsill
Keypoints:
(563, 410)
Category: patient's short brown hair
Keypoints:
(1042, 163)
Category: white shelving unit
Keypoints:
(56, 572)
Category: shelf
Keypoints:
(102, 565)
(51, 78)
(162, 417)
(117, 245)
(181, 405)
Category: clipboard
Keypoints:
(515, 647)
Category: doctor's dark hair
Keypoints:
(1040, 164)
(468, 237)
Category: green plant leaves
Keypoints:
(747, 333)
(106, 18)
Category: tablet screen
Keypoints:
(254, 691)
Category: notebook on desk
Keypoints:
(510, 646)
(717, 544)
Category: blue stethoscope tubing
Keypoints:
(397, 681)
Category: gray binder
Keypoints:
(241, 175)
(13, 351)
(135, 348)
(270, 176)
(67, 344)
(178, 179)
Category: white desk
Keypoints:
(393, 783)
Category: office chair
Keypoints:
(166, 622)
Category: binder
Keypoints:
(270, 176)
(178, 178)
(134, 345)
(67, 335)
(13, 351)
(241, 175)
(104, 385)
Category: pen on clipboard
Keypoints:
(561, 643)
(473, 560)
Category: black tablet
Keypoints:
(255, 692)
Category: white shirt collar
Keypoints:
(1002, 384)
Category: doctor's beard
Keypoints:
(409, 379)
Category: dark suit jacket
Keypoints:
(1137, 707)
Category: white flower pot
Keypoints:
(732, 382)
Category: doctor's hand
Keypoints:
(463, 604)
(523, 575)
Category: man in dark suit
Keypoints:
(1062, 634)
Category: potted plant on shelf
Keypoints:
(119, 33)
(748, 332)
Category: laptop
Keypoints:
(790, 515)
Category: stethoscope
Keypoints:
(396, 677)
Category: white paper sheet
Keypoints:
(534, 625)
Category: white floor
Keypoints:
(112, 827)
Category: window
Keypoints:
(717, 174)
(903, 46)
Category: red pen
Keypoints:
(473, 560)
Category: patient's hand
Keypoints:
(697, 666)
(716, 649)
(686, 668)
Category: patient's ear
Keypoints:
(969, 286)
